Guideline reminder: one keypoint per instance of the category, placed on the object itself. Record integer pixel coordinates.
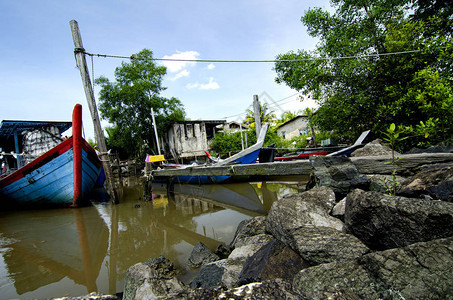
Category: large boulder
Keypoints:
(269, 289)
(318, 245)
(239, 255)
(373, 148)
(246, 229)
(210, 275)
(201, 255)
(383, 221)
(273, 260)
(302, 221)
(435, 182)
(338, 173)
(154, 278)
(383, 183)
(310, 208)
(418, 271)
(327, 280)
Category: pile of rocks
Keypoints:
(343, 238)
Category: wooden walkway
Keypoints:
(365, 165)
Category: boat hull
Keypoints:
(48, 180)
(246, 159)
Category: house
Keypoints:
(189, 139)
(293, 128)
(233, 126)
(23, 141)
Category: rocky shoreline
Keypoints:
(344, 237)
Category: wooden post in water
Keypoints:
(257, 112)
(82, 65)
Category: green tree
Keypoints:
(127, 103)
(357, 85)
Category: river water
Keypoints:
(58, 252)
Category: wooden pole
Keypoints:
(257, 112)
(81, 63)
(155, 130)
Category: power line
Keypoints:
(272, 105)
(132, 57)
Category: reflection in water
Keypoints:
(50, 253)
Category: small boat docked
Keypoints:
(327, 151)
(61, 177)
(246, 156)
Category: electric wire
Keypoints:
(132, 57)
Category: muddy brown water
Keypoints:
(58, 252)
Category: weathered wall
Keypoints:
(292, 128)
(188, 139)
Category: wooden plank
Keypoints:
(365, 165)
(275, 169)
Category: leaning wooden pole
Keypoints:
(257, 113)
(79, 52)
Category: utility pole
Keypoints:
(257, 112)
(79, 52)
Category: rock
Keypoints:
(373, 148)
(346, 278)
(382, 183)
(246, 229)
(91, 296)
(201, 255)
(223, 251)
(273, 260)
(318, 245)
(338, 173)
(154, 278)
(408, 165)
(309, 208)
(435, 182)
(239, 255)
(302, 222)
(210, 275)
(443, 147)
(339, 209)
(382, 221)
(418, 271)
(269, 289)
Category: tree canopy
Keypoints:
(127, 102)
(377, 63)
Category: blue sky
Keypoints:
(40, 81)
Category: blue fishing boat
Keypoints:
(61, 177)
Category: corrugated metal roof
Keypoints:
(7, 127)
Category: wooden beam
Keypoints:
(81, 63)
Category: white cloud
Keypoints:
(183, 73)
(211, 85)
(177, 66)
(211, 66)
(192, 86)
